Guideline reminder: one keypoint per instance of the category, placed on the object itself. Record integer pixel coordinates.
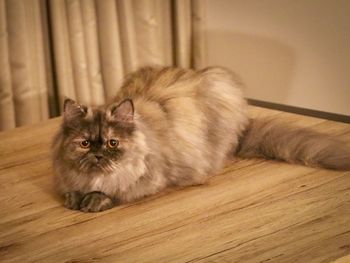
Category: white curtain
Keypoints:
(50, 49)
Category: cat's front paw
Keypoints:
(73, 200)
(96, 202)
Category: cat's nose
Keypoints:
(98, 157)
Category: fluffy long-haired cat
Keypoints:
(170, 126)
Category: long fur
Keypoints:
(271, 139)
(184, 126)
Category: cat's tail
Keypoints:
(270, 139)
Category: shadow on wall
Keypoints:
(265, 65)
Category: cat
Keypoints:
(166, 127)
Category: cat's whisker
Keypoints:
(109, 167)
(84, 164)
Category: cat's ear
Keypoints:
(72, 109)
(122, 112)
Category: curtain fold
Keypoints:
(24, 59)
(92, 52)
(198, 48)
(7, 107)
(182, 33)
(110, 46)
(82, 49)
(78, 51)
(61, 50)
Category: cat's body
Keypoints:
(171, 127)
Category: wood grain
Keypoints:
(254, 211)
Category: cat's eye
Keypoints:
(85, 144)
(112, 143)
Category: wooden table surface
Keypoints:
(255, 211)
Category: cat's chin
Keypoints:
(95, 170)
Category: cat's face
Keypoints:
(95, 140)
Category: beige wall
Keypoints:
(286, 51)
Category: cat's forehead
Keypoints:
(97, 125)
(91, 124)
